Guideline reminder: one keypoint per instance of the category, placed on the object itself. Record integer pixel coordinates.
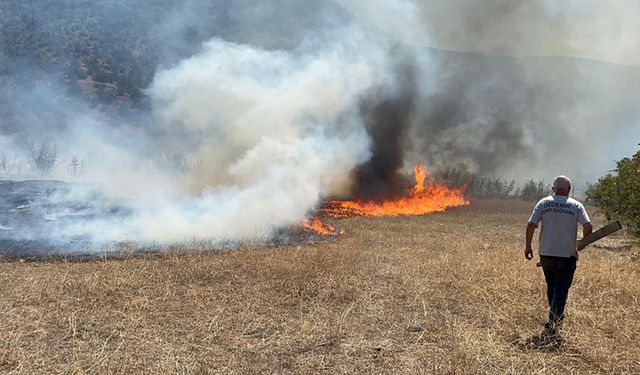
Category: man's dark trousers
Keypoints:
(558, 272)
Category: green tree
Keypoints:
(618, 193)
(534, 191)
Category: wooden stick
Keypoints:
(599, 234)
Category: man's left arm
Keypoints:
(583, 218)
(587, 229)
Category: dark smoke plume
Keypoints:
(388, 115)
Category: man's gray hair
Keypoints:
(561, 182)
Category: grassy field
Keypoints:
(447, 293)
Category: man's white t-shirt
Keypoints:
(560, 216)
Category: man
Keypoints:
(558, 246)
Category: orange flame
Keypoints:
(420, 200)
(314, 224)
(421, 175)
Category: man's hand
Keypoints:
(587, 229)
(528, 253)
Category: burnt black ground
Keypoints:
(37, 219)
(35, 215)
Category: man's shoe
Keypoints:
(550, 338)
(550, 330)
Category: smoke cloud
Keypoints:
(276, 131)
(233, 119)
(388, 115)
(592, 29)
(516, 101)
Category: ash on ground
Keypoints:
(38, 216)
(38, 219)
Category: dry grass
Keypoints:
(447, 293)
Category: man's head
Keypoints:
(561, 185)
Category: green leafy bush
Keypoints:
(533, 191)
(618, 193)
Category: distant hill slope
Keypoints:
(115, 47)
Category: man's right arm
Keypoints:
(535, 218)
(528, 252)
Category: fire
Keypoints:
(422, 199)
(314, 224)
(421, 175)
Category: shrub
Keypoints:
(534, 191)
(76, 166)
(43, 158)
(176, 163)
(8, 165)
(618, 193)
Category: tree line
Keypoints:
(478, 186)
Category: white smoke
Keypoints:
(276, 131)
